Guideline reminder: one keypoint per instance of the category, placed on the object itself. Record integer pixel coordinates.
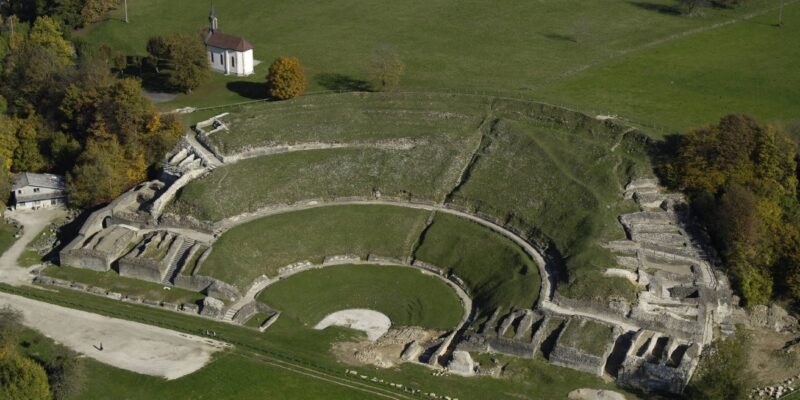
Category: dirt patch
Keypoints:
(384, 352)
(371, 322)
(594, 394)
(771, 357)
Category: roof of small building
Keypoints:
(50, 181)
(39, 196)
(230, 42)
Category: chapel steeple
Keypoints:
(212, 18)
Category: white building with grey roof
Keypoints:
(32, 191)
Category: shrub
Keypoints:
(286, 78)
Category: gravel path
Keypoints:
(132, 346)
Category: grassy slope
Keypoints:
(267, 244)
(748, 67)
(286, 339)
(427, 171)
(497, 271)
(348, 117)
(7, 232)
(406, 296)
(556, 185)
(133, 287)
(454, 45)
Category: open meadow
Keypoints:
(640, 60)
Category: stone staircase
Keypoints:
(228, 317)
(181, 256)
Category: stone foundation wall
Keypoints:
(97, 291)
(141, 268)
(613, 310)
(578, 360)
(85, 258)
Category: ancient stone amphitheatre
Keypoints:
(454, 230)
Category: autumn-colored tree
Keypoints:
(742, 179)
(46, 33)
(386, 68)
(94, 10)
(27, 155)
(99, 175)
(286, 78)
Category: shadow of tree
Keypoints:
(250, 90)
(342, 83)
(559, 36)
(661, 8)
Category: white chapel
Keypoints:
(229, 54)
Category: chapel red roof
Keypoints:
(230, 42)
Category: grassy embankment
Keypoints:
(559, 182)
(264, 245)
(497, 271)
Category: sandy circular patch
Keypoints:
(375, 324)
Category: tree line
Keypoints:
(741, 177)
(62, 110)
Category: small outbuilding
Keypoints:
(31, 191)
(229, 54)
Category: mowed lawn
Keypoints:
(264, 245)
(521, 48)
(405, 295)
(497, 272)
(747, 67)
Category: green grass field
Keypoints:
(496, 270)
(748, 67)
(407, 296)
(619, 57)
(264, 245)
(7, 232)
(427, 171)
(239, 375)
(129, 286)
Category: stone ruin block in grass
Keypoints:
(584, 345)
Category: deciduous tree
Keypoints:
(386, 68)
(286, 78)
